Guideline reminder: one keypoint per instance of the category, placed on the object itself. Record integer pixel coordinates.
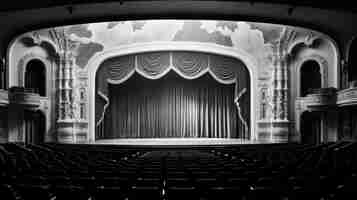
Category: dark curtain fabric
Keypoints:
(171, 107)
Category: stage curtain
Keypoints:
(223, 70)
(171, 107)
(117, 68)
(227, 69)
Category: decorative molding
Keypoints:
(306, 40)
(37, 39)
(62, 42)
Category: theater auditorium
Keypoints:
(171, 100)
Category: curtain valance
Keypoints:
(154, 65)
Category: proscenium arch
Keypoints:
(95, 62)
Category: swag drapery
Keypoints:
(172, 94)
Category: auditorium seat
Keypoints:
(31, 190)
(108, 192)
(347, 188)
(66, 192)
(219, 192)
(146, 188)
(8, 192)
(181, 173)
(268, 187)
(182, 191)
(306, 187)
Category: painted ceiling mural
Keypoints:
(254, 38)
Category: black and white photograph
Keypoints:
(172, 100)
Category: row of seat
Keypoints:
(278, 171)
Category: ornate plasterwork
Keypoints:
(37, 39)
(297, 39)
(63, 43)
(298, 45)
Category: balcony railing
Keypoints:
(317, 99)
(25, 96)
(4, 97)
(23, 90)
(320, 97)
(347, 97)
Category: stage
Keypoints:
(179, 141)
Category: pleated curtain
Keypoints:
(171, 107)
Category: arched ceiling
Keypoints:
(333, 18)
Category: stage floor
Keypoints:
(179, 141)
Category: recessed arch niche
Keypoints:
(35, 76)
(310, 77)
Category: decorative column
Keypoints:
(280, 124)
(284, 86)
(68, 121)
(66, 108)
(80, 100)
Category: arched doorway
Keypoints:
(352, 62)
(35, 76)
(310, 127)
(35, 127)
(310, 77)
